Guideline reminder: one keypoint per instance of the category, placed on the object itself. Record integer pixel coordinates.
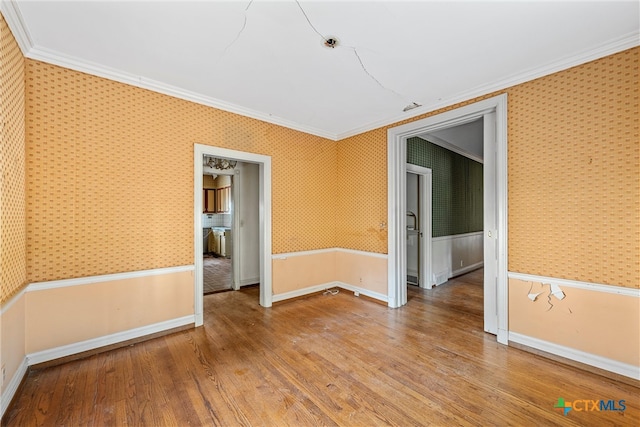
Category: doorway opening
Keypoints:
(493, 112)
(453, 158)
(217, 225)
(230, 226)
(419, 226)
(261, 167)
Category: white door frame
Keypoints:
(490, 224)
(199, 150)
(396, 191)
(424, 242)
(235, 229)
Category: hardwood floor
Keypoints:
(322, 360)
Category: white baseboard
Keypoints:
(607, 364)
(250, 281)
(440, 277)
(12, 386)
(329, 285)
(302, 292)
(362, 291)
(91, 344)
(466, 269)
(444, 276)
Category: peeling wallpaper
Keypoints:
(109, 176)
(573, 175)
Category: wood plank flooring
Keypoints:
(322, 360)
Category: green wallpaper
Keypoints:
(457, 187)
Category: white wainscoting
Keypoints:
(12, 352)
(584, 319)
(109, 309)
(456, 255)
(305, 272)
(94, 343)
(323, 287)
(140, 287)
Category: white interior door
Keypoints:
(419, 188)
(414, 238)
(490, 212)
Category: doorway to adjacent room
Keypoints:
(261, 164)
(493, 112)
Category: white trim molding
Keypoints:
(249, 281)
(620, 44)
(11, 12)
(302, 253)
(577, 355)
(327, 250)
(12, 386)
(596, 287)
(363, 291)
(13, 16)
(466, 269)
(6, 306)
(363, 253)
(53, 284)
(92, 68)
(92, 344)
(396, 193)
(304, 291)
(264, 163)
(432, 139)
(323, 287)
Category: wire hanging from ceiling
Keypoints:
(332, 42)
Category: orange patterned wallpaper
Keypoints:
(574, 191)
(362, 185)
(12, 166)
(110, 175)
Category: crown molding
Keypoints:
(432, 139)
(11, 11)
(77, 64)
(620, 44)
(13, 16)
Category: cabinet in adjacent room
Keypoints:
(218, 243)
(209, 200)
(216, 194)
(208, 194)
(223, 199)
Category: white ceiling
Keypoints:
(263, 59)
(466, 139)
